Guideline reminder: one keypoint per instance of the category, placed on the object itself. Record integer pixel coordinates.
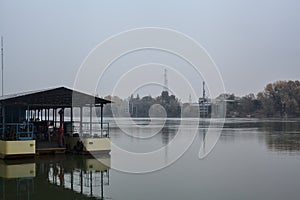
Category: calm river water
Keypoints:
(253, 159)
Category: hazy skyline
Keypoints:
(252, 42)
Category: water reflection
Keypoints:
(278, 135)
(60, 177)
(17, 179)
(165, 135)
(244, 152)
(202, 136)
(283, 136)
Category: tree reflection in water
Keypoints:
(283, 136)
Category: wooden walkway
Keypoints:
(44, 151)
(44, 148)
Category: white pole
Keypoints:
(2, 106)
(2, 63)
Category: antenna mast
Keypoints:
(203, 91)
(165, 79)
(2, 63)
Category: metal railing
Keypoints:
(91, 129)
(25, 131)
(18, 131)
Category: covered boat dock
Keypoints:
(52, 118)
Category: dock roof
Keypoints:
(59, 97)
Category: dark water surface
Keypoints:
(253, 159)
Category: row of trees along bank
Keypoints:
(278, 99)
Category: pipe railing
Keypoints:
(18, 131)
(86, 130)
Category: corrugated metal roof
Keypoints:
(52, 97)
(9, 96)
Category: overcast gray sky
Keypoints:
(252, 42)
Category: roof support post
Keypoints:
(28, 116)
(71, 113)
(53, 117)
(54, 114)
(61, 124)
(80, 122)
(63, 115)
(101, 119)
(91, 119)
(3, 120)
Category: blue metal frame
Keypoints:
(23, 131)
